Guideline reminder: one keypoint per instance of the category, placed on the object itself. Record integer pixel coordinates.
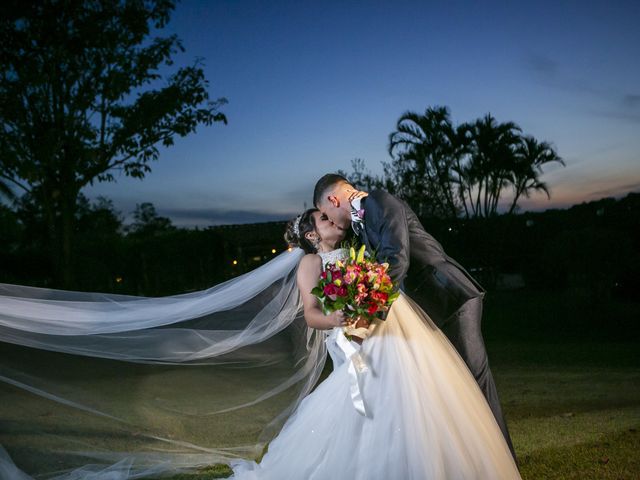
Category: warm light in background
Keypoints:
(235, 262)
(118, 279)
(289, 249)
(273, 250)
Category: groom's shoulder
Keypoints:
(382, 197)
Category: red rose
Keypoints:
(323, 275)
(342, 291)
(373, 308)
(331, 291)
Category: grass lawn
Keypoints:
(568, 375)
(568, 421)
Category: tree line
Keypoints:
(82, 98)
(591, 249)
(148, 256)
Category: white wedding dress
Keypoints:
(110, 387)
(424, 415)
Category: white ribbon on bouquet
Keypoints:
(357, 366)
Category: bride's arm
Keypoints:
(308, 275)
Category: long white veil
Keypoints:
(123, 386)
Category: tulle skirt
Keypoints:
(425, 417)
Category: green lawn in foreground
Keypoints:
(573, 421)
(567, 421)
(568, 375)
(569, 379)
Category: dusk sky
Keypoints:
(313, 85)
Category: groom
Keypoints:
(419, 265)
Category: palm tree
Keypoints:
(491, 149)
(442, 170)
(423, 151)
(531, 155)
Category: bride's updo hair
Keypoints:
(295, 235)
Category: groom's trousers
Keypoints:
(463, 329)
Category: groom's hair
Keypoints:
(326, 183)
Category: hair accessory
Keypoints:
(296, 226)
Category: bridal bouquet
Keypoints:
(358, 286)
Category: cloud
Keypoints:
(617, 191)
(629, 109)
(612, 103)
(631, 100)
(633, 117)
(549, 73)
(210, 216)
(542, 64)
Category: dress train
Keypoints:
(425, 417)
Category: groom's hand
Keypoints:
(357, 194)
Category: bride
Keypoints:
(402, 405)
(112, 387)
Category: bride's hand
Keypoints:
(338, 319)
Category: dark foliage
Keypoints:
(82, 97)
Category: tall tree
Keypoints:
(81, 97)
(424, 152)
(530, 156)
(491, 148)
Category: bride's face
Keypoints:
(328, 231)
(336, 208)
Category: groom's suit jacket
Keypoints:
(417, 261)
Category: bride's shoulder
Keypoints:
(311, 260)
(309, 270)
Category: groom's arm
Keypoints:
(390, 221)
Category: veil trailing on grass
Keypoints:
(120, 386)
